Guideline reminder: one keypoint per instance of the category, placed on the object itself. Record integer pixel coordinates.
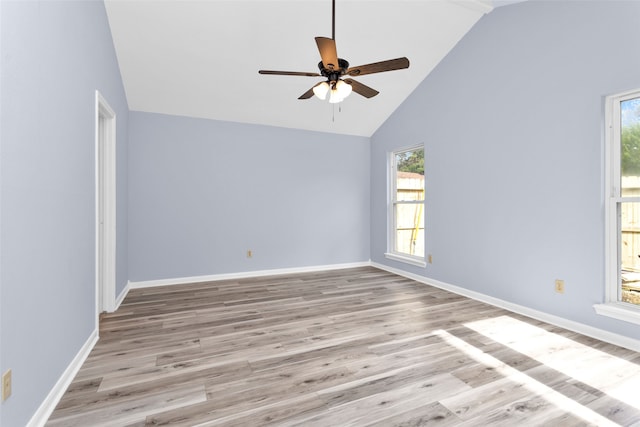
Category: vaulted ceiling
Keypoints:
(201, 58)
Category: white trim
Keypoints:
(612, 189)
(122, 296)
(48, 405)
(53, 398)
(417, 261)
(619, 310)
(391, 208)
(105, 297)
(612, 306)
(244, 275)
(581, 328)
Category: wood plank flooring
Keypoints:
(356, 347)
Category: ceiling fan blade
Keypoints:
(308, 94)
(379, 67)
(289, 73)
(328, 53)
(363, 90)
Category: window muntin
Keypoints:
(406, 207)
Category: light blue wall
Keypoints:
(55, 54)
(203, 192)
(512, 126)
(511, 122)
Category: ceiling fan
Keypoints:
(334, 68)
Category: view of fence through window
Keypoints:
(409, 202)
(630, 210)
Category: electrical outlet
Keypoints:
(249, 253)
(6, 385)
(560, 286)
(430, 259)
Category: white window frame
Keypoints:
(613, 306)
(419, 261)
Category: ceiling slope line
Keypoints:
(482, 6)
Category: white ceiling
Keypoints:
(201, 58)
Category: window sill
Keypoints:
(419, 262)
(619, 310)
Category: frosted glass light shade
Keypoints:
(321, 90)
(344, 89)
(335, 97)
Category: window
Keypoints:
(622, 215)
(406, 206)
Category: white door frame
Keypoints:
(105, 178)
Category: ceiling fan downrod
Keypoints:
(333, 19)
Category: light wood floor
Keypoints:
(350, 347)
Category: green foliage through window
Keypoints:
(411, 161)
(630, 153)
(630, 137)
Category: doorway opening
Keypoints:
(105, 144)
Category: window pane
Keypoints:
(406, 210)
(630, 252)
(410, 175)
(630, 147)
(410, 228)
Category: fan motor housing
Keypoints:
(334, 75)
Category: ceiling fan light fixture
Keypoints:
(338, 89)
(335, 97)
(321, 90)
(344, 89)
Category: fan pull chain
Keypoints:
(333, 111)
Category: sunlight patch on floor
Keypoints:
(553, 397)
(612, 375)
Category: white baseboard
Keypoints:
(244, 275)
(581, 328)
(49, 404)
(122, 296)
